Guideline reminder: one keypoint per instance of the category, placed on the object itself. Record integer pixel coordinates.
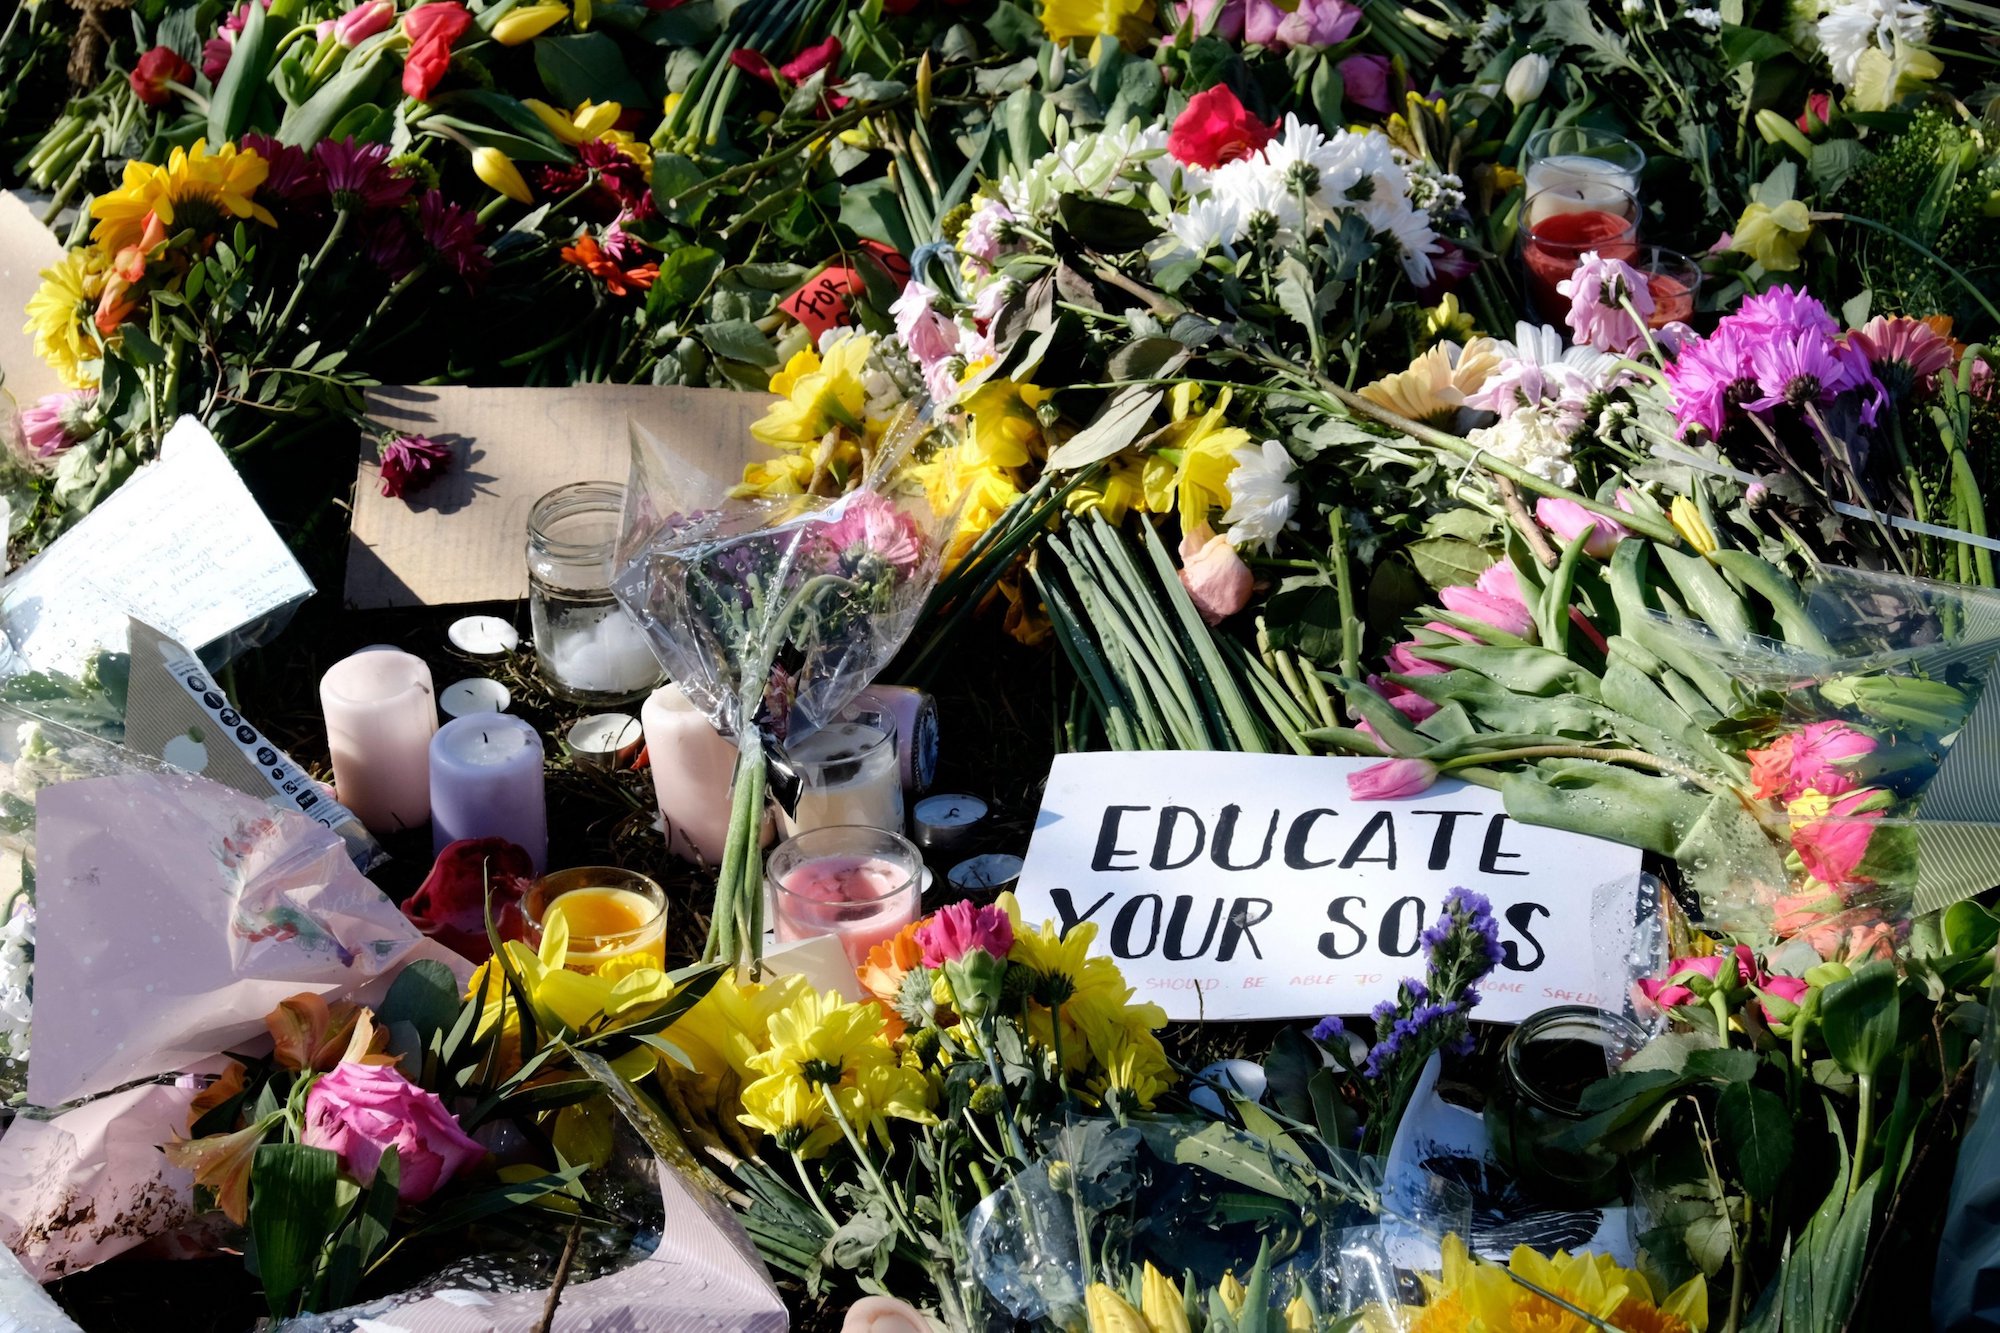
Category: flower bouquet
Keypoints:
(772, 614)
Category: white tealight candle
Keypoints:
(946, 822)
(483, 636)
(479, 694)
(604, 740)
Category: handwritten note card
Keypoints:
(181, 546)
(1242, 886)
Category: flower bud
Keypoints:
(499, 172)
(363, 21)
(1825, 974)
(526, 22)
(1775, 129)
(1527, 78)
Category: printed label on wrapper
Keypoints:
(1243, 886)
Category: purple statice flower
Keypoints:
(452, 233)
(1465, 926)
(1598, 293)
(1782, 310)
(358, 176)
(1404, 1033)
(1711, 378)
(1328, 1028)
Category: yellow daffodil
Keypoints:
(1161, 1302)
(562, 1000)
(732, 1022)
(1201, 445)
(1118, 490)
(1109, 1312)
(1025, 621)
(1437, 382)
(524, 23)
(60, 316)
(1773, 236)
(1686, 517)
(819, 396)
(980, 492)
(1128, 21)
(1468, 1294)
(1882, 79)
(501, 175)
(196, 190)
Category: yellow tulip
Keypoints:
(499, 172)
(1299, 1316)
(524, 23)
(1688, 522)
(1111, 1313)
(1773, 236)
(1232, 1293)
(1160, 1300)
(589, 121)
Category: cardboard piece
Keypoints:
(26, 248)
(1249, 886)
(182, 545)
(463, 537)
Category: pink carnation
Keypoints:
(959, 929)
(361, 1110)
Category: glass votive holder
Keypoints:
(857, 883)
(1548, 1063)
(848, 774)
(1564, 224)
(588, 648)
(617, 918)
(1581, 156)
(1673, 279)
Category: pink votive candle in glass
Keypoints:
(860, 884)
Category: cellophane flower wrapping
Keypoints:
(1872, 791)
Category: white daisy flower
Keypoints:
(1850, 27)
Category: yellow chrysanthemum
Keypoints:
(980, 492)
(1129, 21)
(822, 1037)
(59, 315)
(1200, 446)
(792, 1112)
(1469, 1295)
(196, 190)
(1437, 382)
(732, 1022)
(1002, 429)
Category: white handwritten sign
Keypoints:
(1243, 886)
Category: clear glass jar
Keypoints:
(589, 649)
(848, 774)
(1546, 1066)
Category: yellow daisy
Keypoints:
(59, 315)
(1436, 384)
(196, 190)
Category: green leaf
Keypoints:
(1108, 228)
(1751, 46)
(738, 340)
(1446, 562)
(1859, 1017)
(1723, 1064)
(425, 995)
(685, 273)
(873, 211)
(1754, 1123)
(586, 67)
(236, 92)
(363, 76)
(1118, 423)
(292, 1199)
(365, 1236)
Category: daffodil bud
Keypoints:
(924, 87)
(1775, 129)
(1527, 78)
(501, 175)
(524, 23)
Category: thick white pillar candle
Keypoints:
(380, 713)
(486, 782)
(693, 766)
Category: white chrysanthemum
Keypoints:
(1539, 367)
(1710, 19)
(1265, 206)
(1206, 223)
(1533, 440)
(1164, 166)
(1850, 27)
(1410, 228)
(1262, 496)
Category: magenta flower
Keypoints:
(1807, 369)
(452, 233)
(1566, 519)
(1365, 81)
(1783, 310)
(1792, 990)
(358, 176)
(411, 462)
(359, 1111)
(291, 177)
(1711, 379)
(959, 929)
(1810, 759)
(1209, 18)
(1402, 660)
(1598, 292)
(1673, 990)
(1833, 848)
(1906, 353)
(877, 526)
(57, 421)
(1392, 779)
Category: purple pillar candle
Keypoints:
(486, 782)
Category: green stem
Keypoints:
(1864, 1129)
(312, 270)
(1636, 758)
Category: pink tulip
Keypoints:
(363, 21)
(1402, 660)
(1216, 579)
(1510, 617)
(1566, 519)
(1392, 779)
(1408, 702)
(1810, 759)
(1311, 23)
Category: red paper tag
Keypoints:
(823, 302)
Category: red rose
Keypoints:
(1215, 128)
(431, 29)
(1817, 115)
(154, 71)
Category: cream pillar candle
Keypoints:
(693, 767)
(381, 712)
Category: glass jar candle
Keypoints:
(848, 774)
(1546, 1066)
(589, 649)
(1565, 223)
(860, 884)
(617, 919)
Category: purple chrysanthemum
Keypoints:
(452, 233)
(358, 177)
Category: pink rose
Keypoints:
(1817, 115)
(1792, 990)
(960, 928)
(1567, 518)
(1833, 848)
(1366, 81)
(868, 520)
(1808, 760)
(1672, 990)
(1216, 579)
(360, 1110)
(1392, 779)
(1215, 127)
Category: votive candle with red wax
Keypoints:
(1563, 226)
